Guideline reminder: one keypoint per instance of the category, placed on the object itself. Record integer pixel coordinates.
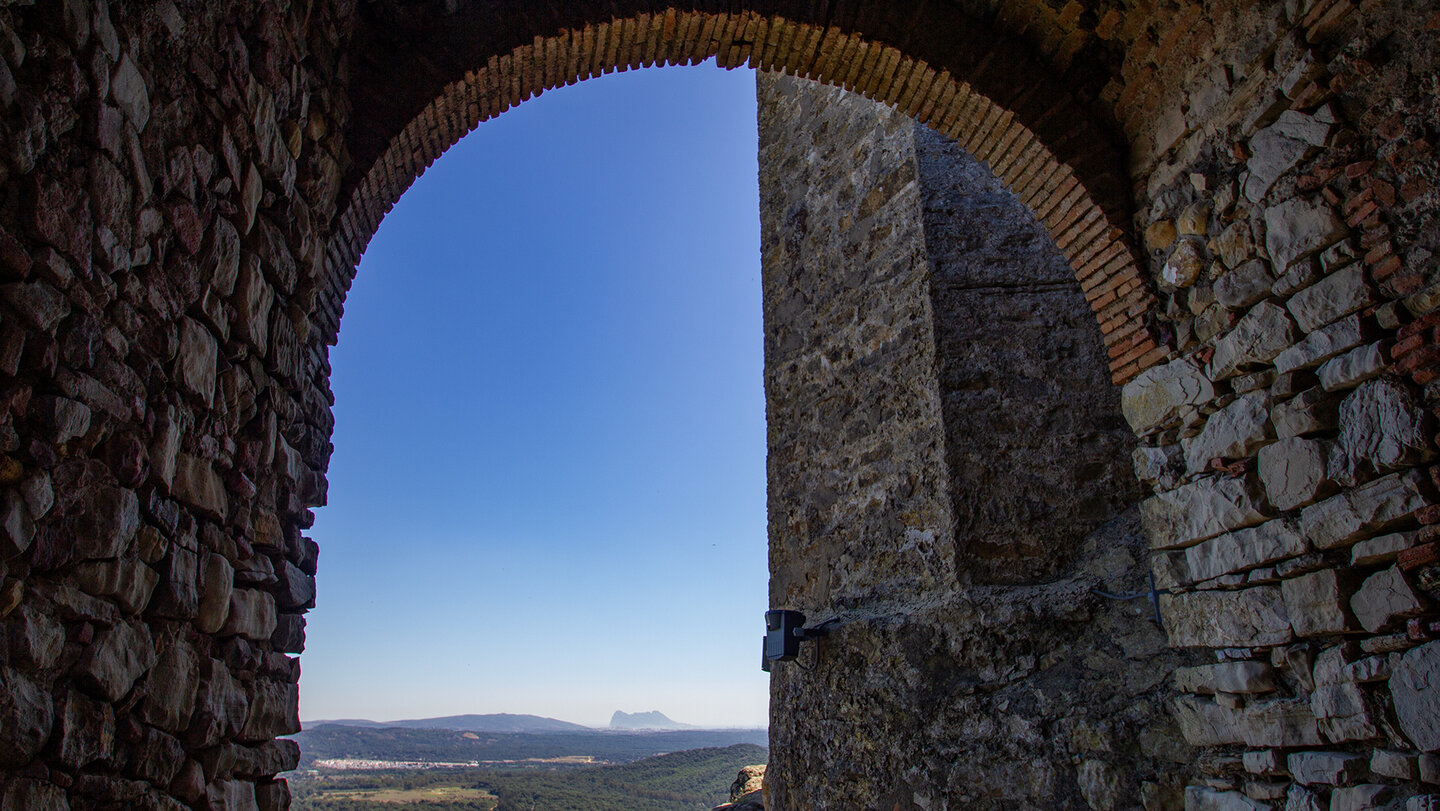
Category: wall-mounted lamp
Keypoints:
(784, 631)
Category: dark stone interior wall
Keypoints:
(1037, 451)
(941, 420)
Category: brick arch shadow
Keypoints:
(973, 84)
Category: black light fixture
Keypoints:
(784, 631)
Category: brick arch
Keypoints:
(974, 85)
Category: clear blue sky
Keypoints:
(548, 489)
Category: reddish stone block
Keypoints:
(1405, 346)
(1384, 269)
(1424, 555)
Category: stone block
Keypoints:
(1226, 677)
(1230, 619)
(251, 615)
(1294, 472)
(1352, 368)
(221, 706)
(1316, 603)
(1309, 412)
(1158, 467)
(1279, 722)
(1268, 762)
(1385, 600)
(27, 714)
(1395, 765)
(1381, 549)
(1245, 549)
(1366, 510)
(1341, 293)
(84, 731)
(1341, 713)
(1244, 286)
(217, 580)
(1415, 692)
(1202, 509)
(274, 710)
(1264, 332)
(1382, 427)
(35, 638)
(1271, 155)
(1322, 344)
(289, 636)
(1233, 432)
(1159, 395)
(107, 522)
(128, 582)
(197, 484)
(1297, 228)
(118, 657)
(1203, 798)
(195, 363)
(1327, 768)
(296, 589)
(1365, 797)
(25, 793)
(130, 93)
(171, 687)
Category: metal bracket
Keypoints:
(1153, 594)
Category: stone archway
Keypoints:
(184, 190)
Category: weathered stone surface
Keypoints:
(107, 522)
(1233, 432)
(1158, 467)
(1382, 428)
(34, 638)
(129, 582)
(1230, 619)
(251, 615)
(274, 710)
(232, 795)
(1297, 228)
(119, 656)
(1333, 297)
(1326, 768)
(27, 793)
(1201, 798)
(1299, 798)
(1341, 713)
(1352, 368)
(1184, 264)
(128, 90)
(1365, 797)
(1263, 762)
(1384, 600)
(1415, 690)
(84, 731)
(296, 589)
(1202, 509)
(1226, 677)
(1271, 155)
(66, 418)
(197, 484)
(1263, 333)
(1293, 471)
(253, 300)
(157, 758)
(217, 580)
(1322, 344)
(1244, 286)
(1160, 394)
(1397, 765)
(195, 362)
(170, 688)
(1309, 412)
(1235, 244)
(1365, 510)
(1273, 722)
(221, 705)
(1381, 549)
(179, 592)
(1317, 603)
(26, 716)
(1245, 549)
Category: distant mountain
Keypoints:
(497, 722)
(644, 720)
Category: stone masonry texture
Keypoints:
(1155, 291)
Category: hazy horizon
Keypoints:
(547, 494)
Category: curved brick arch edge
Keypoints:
(1084, 225)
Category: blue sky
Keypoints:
(548, 489)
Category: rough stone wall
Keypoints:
(930, 363)
(165, 179)
(1290, 215)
